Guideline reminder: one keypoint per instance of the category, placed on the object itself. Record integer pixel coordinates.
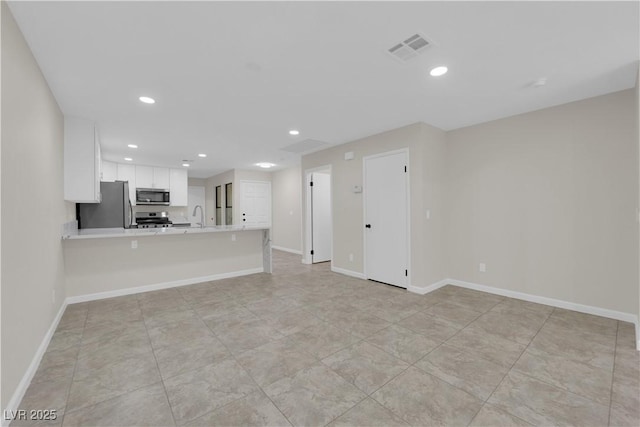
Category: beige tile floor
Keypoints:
(309, 347)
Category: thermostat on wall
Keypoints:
(348, 155)
(357, 188)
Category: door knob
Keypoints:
(368, 226)
(243, 219)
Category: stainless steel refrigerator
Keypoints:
(114, 211)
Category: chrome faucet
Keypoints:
(201, 223)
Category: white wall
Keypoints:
(287, 209)
(426, 150)
(548, 201)
(32, 212)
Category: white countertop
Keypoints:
(100, 233)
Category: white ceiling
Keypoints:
(231, 78)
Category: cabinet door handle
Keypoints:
(368, 226)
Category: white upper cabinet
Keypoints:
(81, 161)
(161, 178)
(144, 176)
(151, 177)
(179, 188)
(175, 180)
(128, 173)
(109, 171)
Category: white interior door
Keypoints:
(196, 196)
(320, 217)
(255, 203)
(386, 225)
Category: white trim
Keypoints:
(425, 290)
(588, 309)
(348, 272)
(283, 249)
(15, 400)
(158, 286)
(306, 246)
(407, 153)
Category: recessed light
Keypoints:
(439, 71)
(294, 132)
(186, 165)
(132, 146)
(265, 165)
(202, 155)
(540, 82)
(147, 100)
(128, 159)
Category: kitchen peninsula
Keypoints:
(108, 262)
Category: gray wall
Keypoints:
(548, 201)
(426, 157)
(287, 209)
(32, 212)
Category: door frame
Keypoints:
(306, 250)
(408, 207)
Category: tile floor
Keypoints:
(309, 347)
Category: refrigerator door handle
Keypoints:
(130, 213)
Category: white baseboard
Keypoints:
(348, 272)
(588, 309)
(283, 249)
(159, 286)
(15, 400)
(425, 290)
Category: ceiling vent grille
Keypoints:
(409, 48)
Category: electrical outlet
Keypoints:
(351, 257)
(233, 237)
(134, 244)
(483, 267)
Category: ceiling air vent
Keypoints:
(410, 48)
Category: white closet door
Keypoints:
(386, 224)
(321, 217)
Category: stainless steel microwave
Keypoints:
(152, 196)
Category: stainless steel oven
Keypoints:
(152, 196)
